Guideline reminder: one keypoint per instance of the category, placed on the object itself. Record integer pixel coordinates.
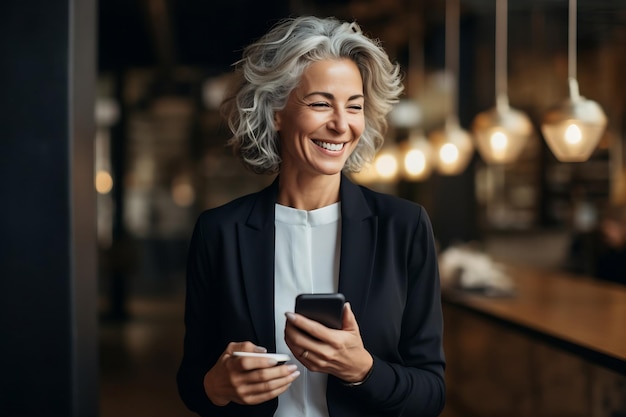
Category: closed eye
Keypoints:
(319, 104)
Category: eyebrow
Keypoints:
(331, 96)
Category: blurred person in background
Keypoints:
(581, 255)
(311, 107)
(611, 258)
(600, 252)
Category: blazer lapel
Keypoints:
(358, 244)
(256, 242)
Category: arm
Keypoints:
(210, 380)
(197, 355)
(414, 383)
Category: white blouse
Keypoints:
(306, 261)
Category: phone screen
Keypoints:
(324, 308)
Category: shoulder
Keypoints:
(404, 221)
(389, 206)
(235, 211)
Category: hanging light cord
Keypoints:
(573, 83)
(502, 101)
(452, 54)
(416, 52)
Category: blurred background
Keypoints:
(487, 88)
(160, 155)
(161, 160)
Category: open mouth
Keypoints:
(329, 146)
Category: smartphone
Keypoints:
(324, 308)
(279, 357)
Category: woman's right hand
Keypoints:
(247, 380)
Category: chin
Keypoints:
(331, 170)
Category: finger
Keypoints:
(295, 338)
(271, 374)
(241, 347)
(309, 329)
(261, 397)
(266, 389)
(246, 346)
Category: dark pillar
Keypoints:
(48, 291)
(454, 207)
(121, 254)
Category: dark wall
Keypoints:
(48, 358)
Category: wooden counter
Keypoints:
(582, 315)
(555, 348)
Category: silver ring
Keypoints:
(305, 354)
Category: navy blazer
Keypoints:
(388, 272)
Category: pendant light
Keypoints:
(405, 114)
(417, 156)
(502, 131)
(383, 169)
(452, 145)
(573, 128)
(386, 164)
(415, 153)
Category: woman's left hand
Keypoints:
(321, 349)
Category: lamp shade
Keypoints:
(405, 114)
(573, 129)
(453, 147)
(501, 134)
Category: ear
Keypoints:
(277, 120)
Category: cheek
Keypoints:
(303, 123)
(359, 128)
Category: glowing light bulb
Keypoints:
(386, 166)
(454, 148)
(573, 135)
(499, 141)
(449, 153)
(415, 162)
(103, 182)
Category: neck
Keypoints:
(308, 193)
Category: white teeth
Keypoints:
(329, 146)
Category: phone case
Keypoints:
(324, 308)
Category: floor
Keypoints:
(139, 358)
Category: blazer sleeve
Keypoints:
(415, 385)
(197, 343)
(205, 340)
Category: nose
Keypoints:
(338, 121)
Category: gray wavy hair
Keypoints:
(271, 68)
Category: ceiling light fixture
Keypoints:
(417, 155)
(502, 131)
(452, 145)
(573, 128)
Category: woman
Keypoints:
(312, 105)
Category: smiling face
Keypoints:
(323, 120)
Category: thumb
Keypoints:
(349, 320)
